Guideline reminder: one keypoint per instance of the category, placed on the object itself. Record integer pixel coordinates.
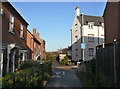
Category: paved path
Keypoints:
(63, 76)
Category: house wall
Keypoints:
(42, 46)
(111, 21)
(74, 44)
(33, 45)
(30, 45)
(9, 37)
(98, 32)
(11, 40)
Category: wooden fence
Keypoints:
(108, 63)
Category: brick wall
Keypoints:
(42, 46)
(8, 37)
(111, 22)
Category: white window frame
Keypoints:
(90, 25)
(11, 23)
(21, 30)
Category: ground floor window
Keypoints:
(91, 51)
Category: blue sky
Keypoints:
(53, 20)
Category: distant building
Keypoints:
(69, 52)
(34, 46)
(13, 47)
(112, 21)
(89, 30)
(42, 46)
(61, 57)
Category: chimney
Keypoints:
(34, 31)
(77, 11)
(38, 34)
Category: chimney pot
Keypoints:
(38, 34)
(34, 31)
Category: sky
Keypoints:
(53, 20)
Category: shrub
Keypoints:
(31, 74)
(64, 61)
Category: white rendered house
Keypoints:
(89, 30)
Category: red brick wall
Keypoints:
(111, 22)
(30, 44)
(42, 46)
(8, 37)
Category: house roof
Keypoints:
(8, 6)
(97, 20)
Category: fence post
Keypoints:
(115, 61)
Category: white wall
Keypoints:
(97, 31)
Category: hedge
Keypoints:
(30, 74)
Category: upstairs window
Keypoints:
(90, 37)
(76, 38)
(11, 23)
(91, 25)
(91, 51)
(76, 24)
(21, 30)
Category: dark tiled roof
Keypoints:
(97, 20)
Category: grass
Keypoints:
(84, 80)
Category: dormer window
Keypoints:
(11, 22)
(21, 31)
(91, 25)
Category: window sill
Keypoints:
(11, 32)
(21, 37)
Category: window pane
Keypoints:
(11, 18)
(21, 27)
(21, 30)
(11, 26)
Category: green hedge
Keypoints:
(31, 74)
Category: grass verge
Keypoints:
(86, 82)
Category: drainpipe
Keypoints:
(82, 34)
(8, 52)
